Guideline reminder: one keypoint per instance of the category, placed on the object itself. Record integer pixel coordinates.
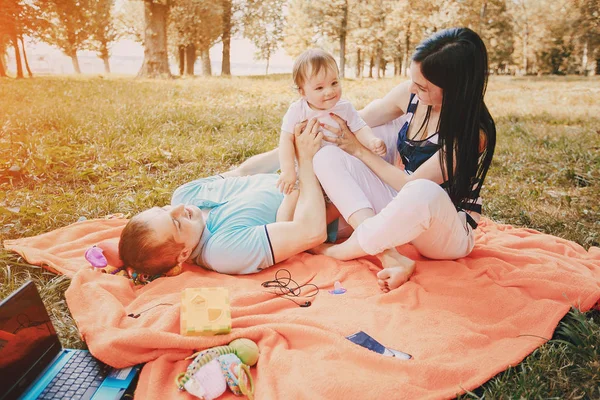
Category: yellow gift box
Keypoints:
(205, 311)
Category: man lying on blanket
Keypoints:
(227, 223)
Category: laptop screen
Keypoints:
(28, 341)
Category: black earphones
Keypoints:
(132, 315)
(287, 288)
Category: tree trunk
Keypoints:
(371, 65)
(190, 59)
(405, 55)
(525, 63)
(25, 57)
(226, 64)
(206, 68)
(104, 56)
(482, 12)
(267, 70)
(17, 56)
(343, 34)
(378, 63)
(584, 59)
(75, 62)
(181, 49)
(2, 58)
(156, 60)
(359, 66)
(2, 69)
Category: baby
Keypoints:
(316, 77)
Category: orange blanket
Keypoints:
(463, 321)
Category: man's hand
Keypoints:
(308, 140)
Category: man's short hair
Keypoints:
(141, 250)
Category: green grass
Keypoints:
(91, 147)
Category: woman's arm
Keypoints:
(382, 111)
(393, 176)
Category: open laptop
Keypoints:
(34, 365)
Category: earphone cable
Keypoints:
(289, 289)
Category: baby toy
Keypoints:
(337, 288)
(95, 256)
(215, 369)
(205, 311)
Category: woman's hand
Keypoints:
(345, 139)
(307, 139)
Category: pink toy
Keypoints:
(96, 257)
(213, 378)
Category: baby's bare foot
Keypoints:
(396, 271)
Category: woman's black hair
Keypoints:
(456, 61)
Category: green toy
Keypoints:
(246, 350)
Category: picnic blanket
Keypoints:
(463, 321)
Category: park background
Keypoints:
(370, 37)
(95, 143)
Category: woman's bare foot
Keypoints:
(396, 271)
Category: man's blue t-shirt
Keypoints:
(235, 238)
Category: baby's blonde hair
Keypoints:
(310, 63)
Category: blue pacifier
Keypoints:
(337, 288)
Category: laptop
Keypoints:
(34, 365)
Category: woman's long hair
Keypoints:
(456, 61)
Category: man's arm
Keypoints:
(263, 163)
(308, 227)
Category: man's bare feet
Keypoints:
(396, 271)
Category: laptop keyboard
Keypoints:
(79, 378)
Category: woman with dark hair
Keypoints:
(441, 140)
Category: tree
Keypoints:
(156, 56)
(310, 22)
(529, 19)
(299, 32)
(66, 26)
(102, 30)
(15, 43)
(17, 19)
(25, 57)
(194, 25)
(127, 21)
(491, 19)
(589, 28)
(9, 18)
(227, 6)
(263, 25)
(2, 57)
